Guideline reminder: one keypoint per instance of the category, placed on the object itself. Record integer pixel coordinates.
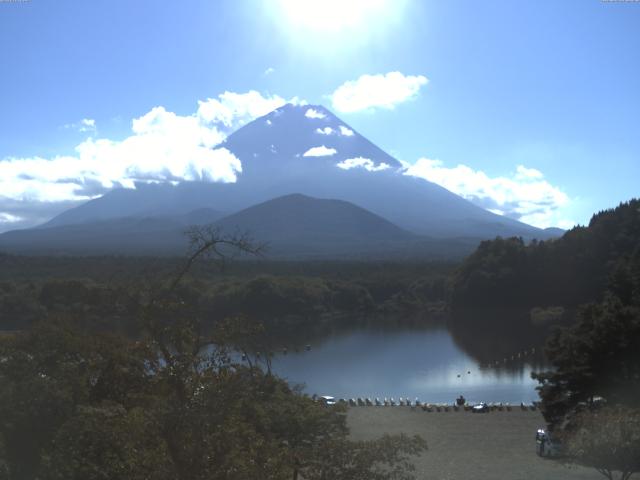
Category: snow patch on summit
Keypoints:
(312, 113)
(362, 162)
(320, 151)
(347, 132)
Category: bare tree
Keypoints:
(210, 241)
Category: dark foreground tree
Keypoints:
(79, 406)
(607, 440)
(591, 400)
(169, 405)
(598, 357)
(388, 458)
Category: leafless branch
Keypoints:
(211, 241)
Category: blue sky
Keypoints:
(530, 108)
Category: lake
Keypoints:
(423, 363)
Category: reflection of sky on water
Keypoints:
(413, 363)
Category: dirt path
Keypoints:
(466, 446)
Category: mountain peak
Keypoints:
(295, 138)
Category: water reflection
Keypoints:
(494, 336)
(423, 363)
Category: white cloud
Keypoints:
(347, 132)
(324, 131)
(311, 113)
(524, 173)
(524, 195)
(162, 147)
(232, 110)
(362, 162)
(321, 151)
(268, 71)
(376, 91)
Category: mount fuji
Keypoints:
(295, 149)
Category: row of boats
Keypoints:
(438, 407)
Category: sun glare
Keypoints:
(335, 15)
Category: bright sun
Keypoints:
(335, 15)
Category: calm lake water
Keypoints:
(403, 363)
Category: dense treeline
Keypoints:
(106, 296)
(568, 271)
(508, 295)
(599, 355)
(122, 268)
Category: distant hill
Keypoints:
(300, 224)
(309, 150)
(555, 232)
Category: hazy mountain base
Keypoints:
(291, 227)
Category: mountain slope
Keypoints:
(309, 150)
(130, 235)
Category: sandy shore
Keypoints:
(466, 446)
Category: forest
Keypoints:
(568, 271)
(586, 287)
(80, 399)
(118, 367)
(105, 293)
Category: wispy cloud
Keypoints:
(9, 218)
(162, 147)
(268, 71)
(320, 151)
(376, 91)
(524, 195)
(23, 214)
(83, 126)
